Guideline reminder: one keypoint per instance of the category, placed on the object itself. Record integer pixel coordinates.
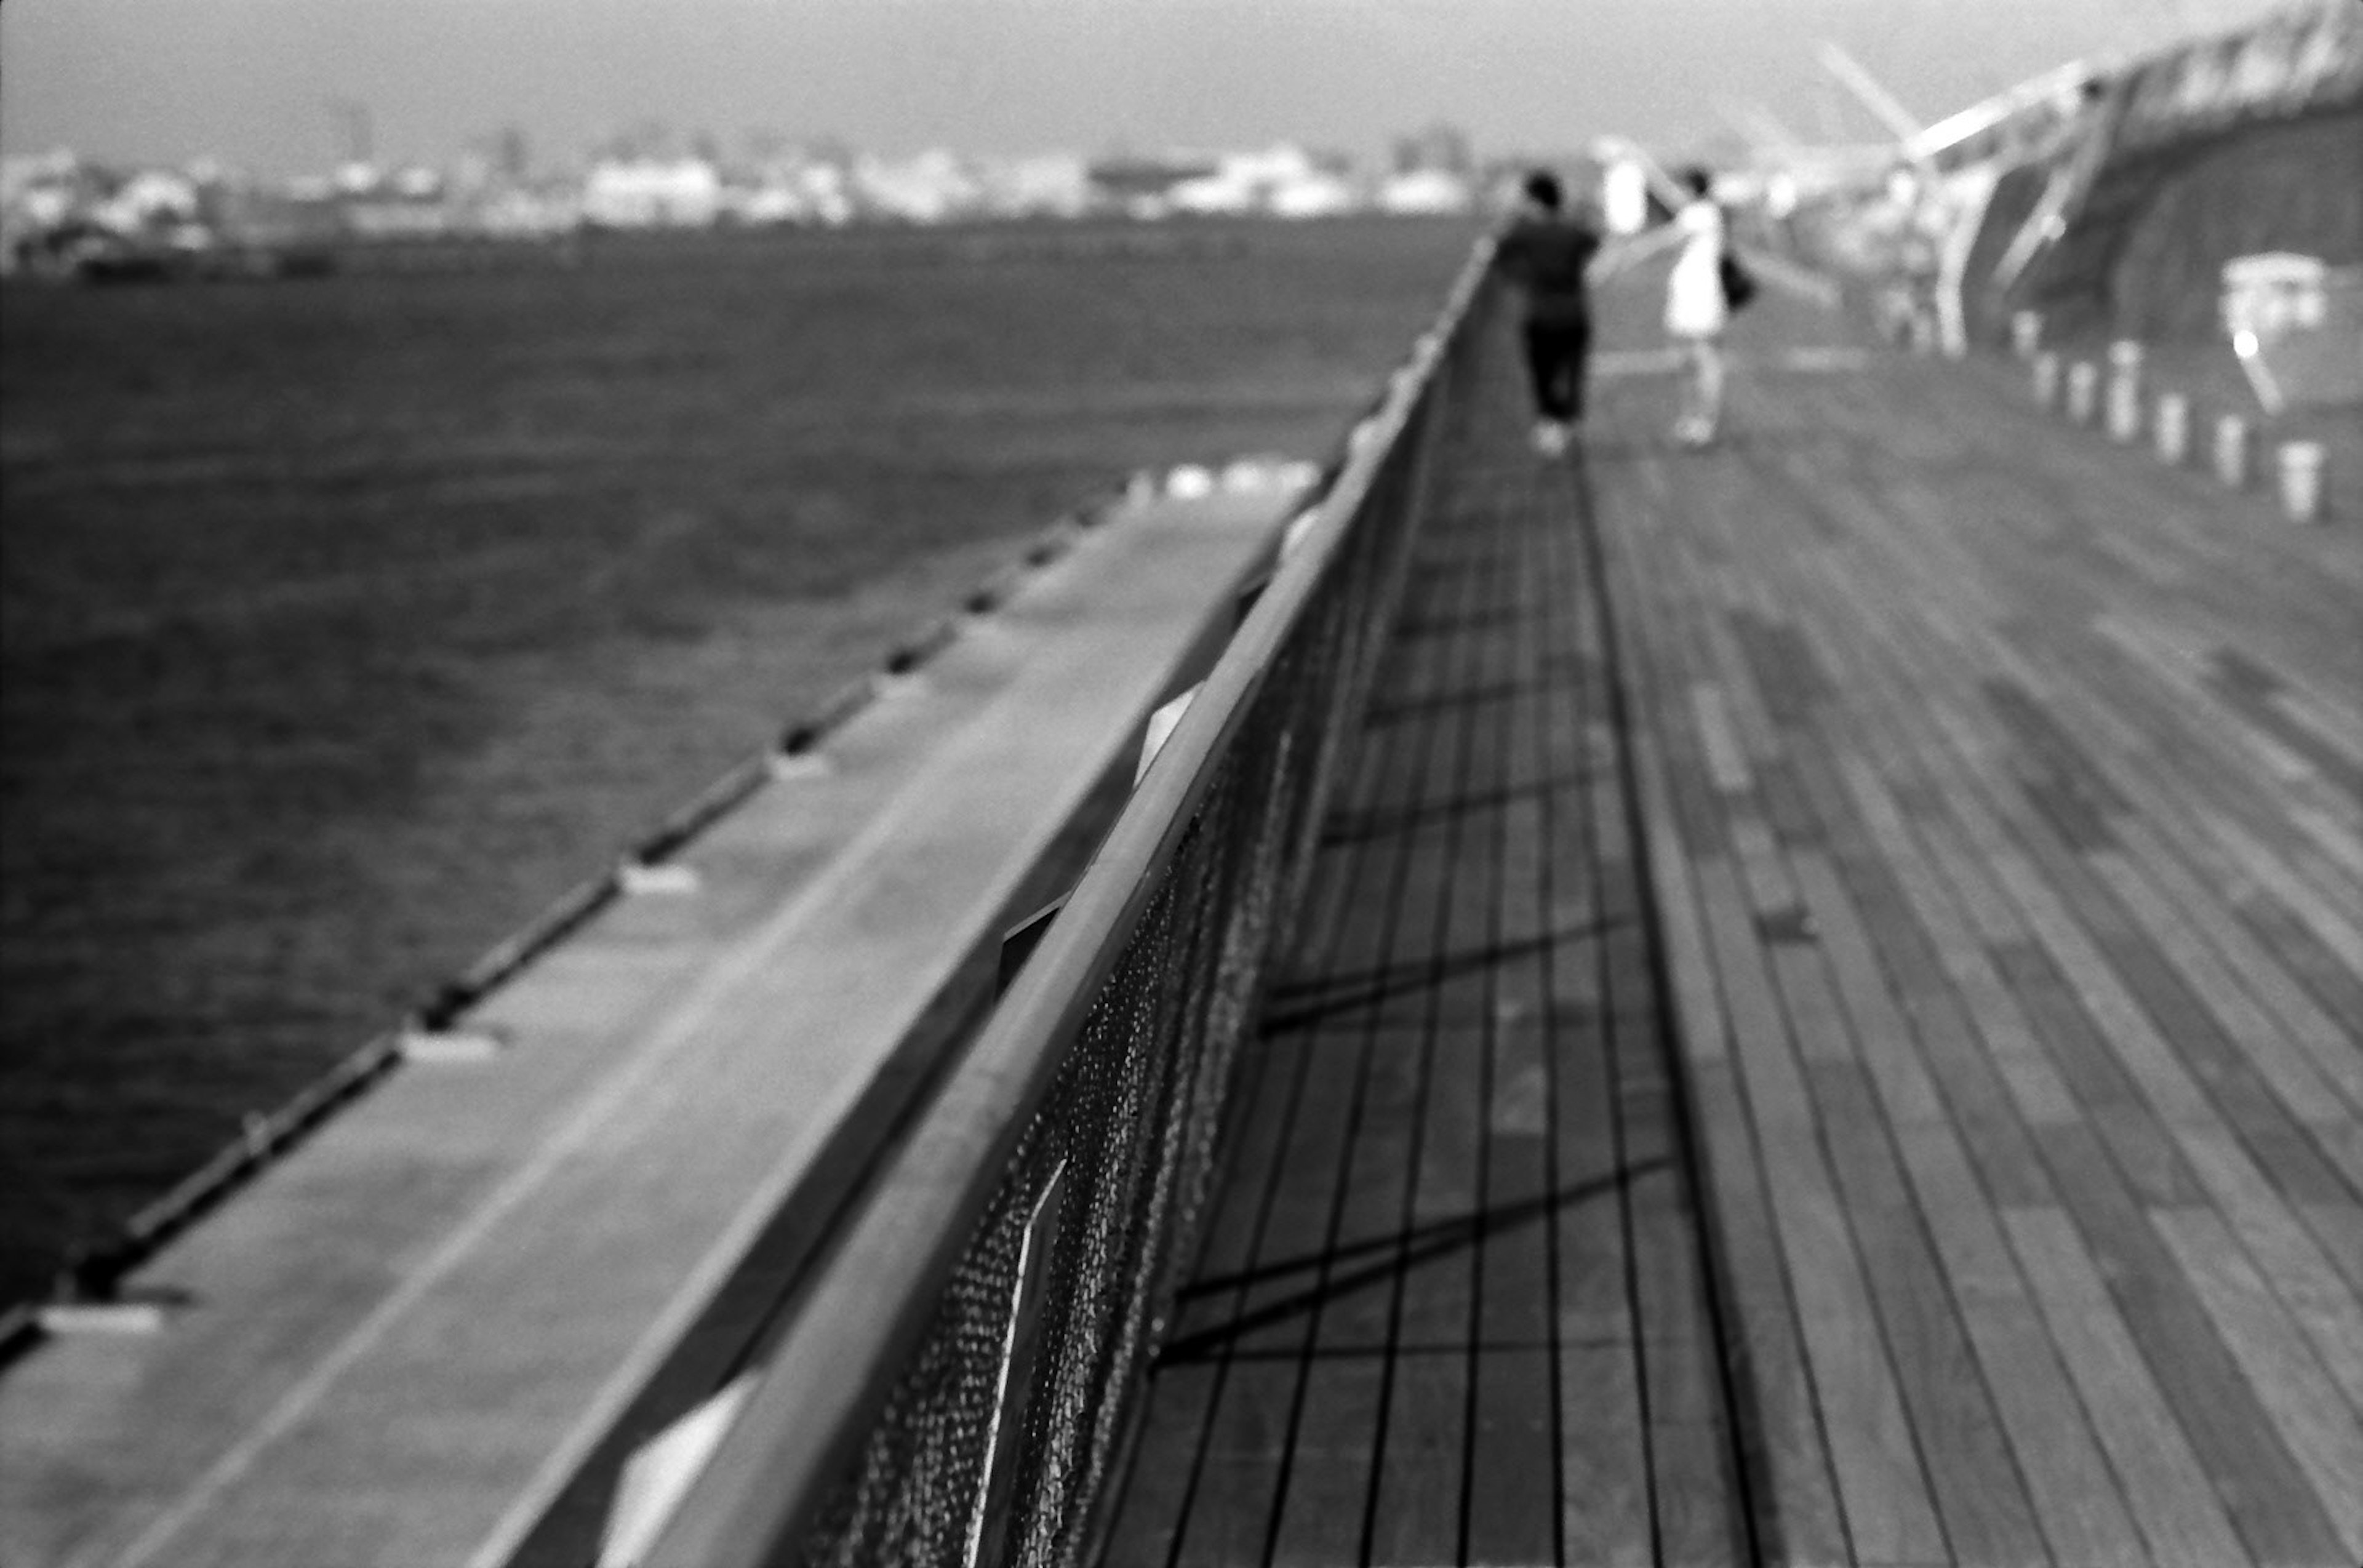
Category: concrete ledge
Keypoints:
(394, 1347)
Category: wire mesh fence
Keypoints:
(958, 1384)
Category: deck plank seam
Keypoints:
(2130, 919)
(1642, 655)
(1379, 778)
(1472, 584)
(1628, 674)
(2154, 1009)
(1394, 902)
(1872, 676)
(1819, 1019)
(1555, 640)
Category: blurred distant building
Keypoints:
(1057, 184)
(149, 201)
(653, 192)
(1319, 193)
(1427, 192)
(788, 189)
(1143, 186)
(39, 193)
(288, 218)
(1282, 180)
(826, 186)
(57, 212)
(405, 204)
(933, 187)
(524, 210)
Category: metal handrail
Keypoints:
(865, 1316)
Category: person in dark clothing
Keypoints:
(1545, 252)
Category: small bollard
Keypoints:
(2047, 380)
(2125, 390)
(2083, 390)
(2231, 451)
(2170, 428)
(2026, 333)
(2301, 476)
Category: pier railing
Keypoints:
(955, 1384)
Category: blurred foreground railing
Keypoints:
(956, 1385)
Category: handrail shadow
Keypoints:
(1401, 1254)
(1294, 1004)
(1368, 827)
(1379, 715)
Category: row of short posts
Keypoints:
(2113, 399)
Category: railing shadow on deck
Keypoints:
(1291, 1005)
(1394, 1256)
(1461, 697)
(1366, 827)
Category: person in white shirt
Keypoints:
(1697, 308)
(1697, 312)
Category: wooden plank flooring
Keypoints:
(1453, 1307)
(1993, 733)
(1998, 837)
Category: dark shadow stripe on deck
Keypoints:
(1757, 1520)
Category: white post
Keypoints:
(2046, 379)
(2171, 428)
(2083, 390)
(2125, 390)
(2026, 333)
(2300, 477)
(2231, 451)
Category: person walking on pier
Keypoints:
(1707, 285)
(1698, 309)
(1545, 252)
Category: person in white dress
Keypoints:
(1696, 311)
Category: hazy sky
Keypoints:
(250, 81)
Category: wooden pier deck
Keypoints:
(1826, 1030)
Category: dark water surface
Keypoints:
(348, 621)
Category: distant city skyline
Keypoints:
(269, 84)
